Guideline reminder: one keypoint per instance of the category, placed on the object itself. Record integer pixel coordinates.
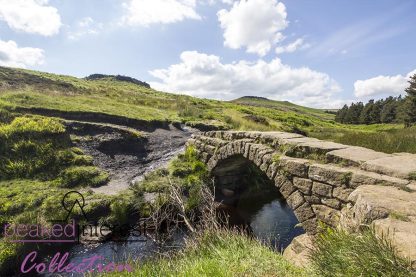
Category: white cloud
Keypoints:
(254, 24)
(146, 12)
(382, 86)
(86, 26)
(292, 47)
(206, 76)
(30, 16)
(13, 56)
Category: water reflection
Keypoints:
(269, 218)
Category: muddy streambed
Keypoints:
(125, 153)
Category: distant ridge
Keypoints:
(253, 97)
(118, 78)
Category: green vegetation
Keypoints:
(225, 252)
(38, 165)
(23, 90)
(389, 110)
(220, 253)
(338, 253)
(411, 102)
(36, 147)
(186, 173)
(379, 137)
(83, 176)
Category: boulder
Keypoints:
(298, 251)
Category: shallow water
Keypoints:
(120, 253)
(269, 219)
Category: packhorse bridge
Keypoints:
(342, 186)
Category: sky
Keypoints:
(320, 53)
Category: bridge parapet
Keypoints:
(322, 181)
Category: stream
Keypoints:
(268, 216)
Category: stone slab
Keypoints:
(378, 202)
(398, 165)
(361, 177)
(333, 175)
(354, 155)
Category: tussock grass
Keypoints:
(338, 253)
(38, 147)
(83, 176)
(383, 138)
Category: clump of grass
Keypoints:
(276, 158)
(155, 181)
(219, 253)
(188, 167)
(399, 216)
(186, 172)
(36, 147)
(338, 253)
(412, 176)
(86, 176)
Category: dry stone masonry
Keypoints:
(339, 185)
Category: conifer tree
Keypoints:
(340, 116)
(411, 102)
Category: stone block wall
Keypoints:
(315, 177)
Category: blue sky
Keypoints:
(320, 53)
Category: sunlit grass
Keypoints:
(338, 253)
(219, 253)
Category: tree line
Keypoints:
(389, 110)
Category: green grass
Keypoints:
(338, 253)
(186, 171)
(383, 138)
(283, 106)
(220, 253)
(224, 252)
(33, 89)
(85, 176)
(38, 165)
(38, 147)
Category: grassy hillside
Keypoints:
(285, 106)
(26, 91)
(32, 89)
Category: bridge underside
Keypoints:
(237, 177)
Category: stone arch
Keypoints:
(268, 162)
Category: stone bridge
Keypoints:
(339, 185)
